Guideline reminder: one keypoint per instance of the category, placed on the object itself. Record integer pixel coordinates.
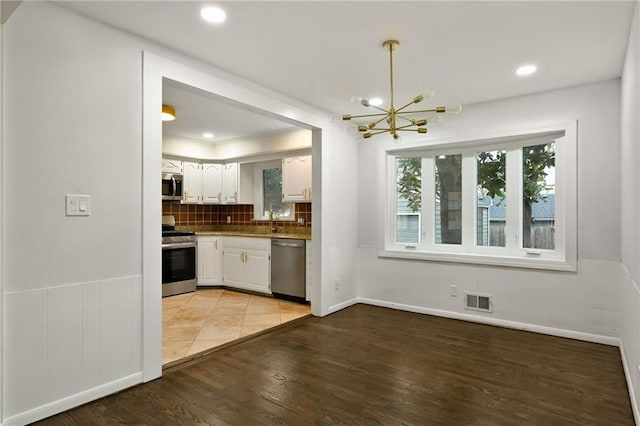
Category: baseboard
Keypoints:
(578, 335)
(76, 400)
(630, 388)
(342, 305)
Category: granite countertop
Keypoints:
(302, 233)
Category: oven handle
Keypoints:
(172, 246)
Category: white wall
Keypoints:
(630, 206)
(72, 285)
(74, 106)
(584, 304)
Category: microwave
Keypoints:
(171, 186)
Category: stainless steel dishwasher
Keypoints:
(288, 268)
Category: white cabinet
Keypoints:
(246, 263)
(192, 183)
(171, 166)
(209, 260)
(212, 182)
(296, 178)
(230, 183)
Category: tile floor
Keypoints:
(194, 322)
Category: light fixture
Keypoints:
(207, 135)
(168, 113)
(526, 70)
(213, 14)
(393, 114)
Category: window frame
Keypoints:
(562, 258)
(258, 185)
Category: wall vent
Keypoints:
(478, 302)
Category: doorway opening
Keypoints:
(245, 180)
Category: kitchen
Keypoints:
(236, 215)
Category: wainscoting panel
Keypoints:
(116, 318)
(25, 351)
(64, 341)
(69, 343)
(90, 335)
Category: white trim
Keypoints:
(475, 258)
(552, 331)
(627, 376)
(1, 213)
(75, 400)
(343, 305)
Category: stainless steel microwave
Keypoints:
(171, 186)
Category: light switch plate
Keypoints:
(78, 205)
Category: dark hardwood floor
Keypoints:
(374, 366)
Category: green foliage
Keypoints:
(409, 183)
(535, 159)
(491, 174)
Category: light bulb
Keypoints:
(454, 108)
(435, 119)
(375, 101)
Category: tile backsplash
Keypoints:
(216, 214)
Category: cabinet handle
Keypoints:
(309, 193)
(219, 196)
(246, 257)
(215, 244)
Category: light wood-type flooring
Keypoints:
(367, 365)
(208, 318)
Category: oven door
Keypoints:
(178, 268)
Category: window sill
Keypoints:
(479, 259)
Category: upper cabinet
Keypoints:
(212, 182)
(171, 166)
(230, 183)
(192, 183)
(296, 178)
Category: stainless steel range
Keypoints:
(178, 261)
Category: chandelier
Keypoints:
(396, 118)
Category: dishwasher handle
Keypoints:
(288, 243)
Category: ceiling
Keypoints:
(324, 53)
(199, 112)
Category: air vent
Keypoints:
(478, 302)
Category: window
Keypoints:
(268, 189)
(459, 201)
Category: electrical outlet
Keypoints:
(228, 219)
(336, 284)
(453, 291)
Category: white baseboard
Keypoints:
(571, 334)
(76, 400)
(632, 393)
(342, 305)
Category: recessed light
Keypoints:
(207, 135)
(213, 14)
(375, 101)
(526, 70)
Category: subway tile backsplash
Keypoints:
(216, 214)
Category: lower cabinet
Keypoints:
(209, 261)
(246, 263)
